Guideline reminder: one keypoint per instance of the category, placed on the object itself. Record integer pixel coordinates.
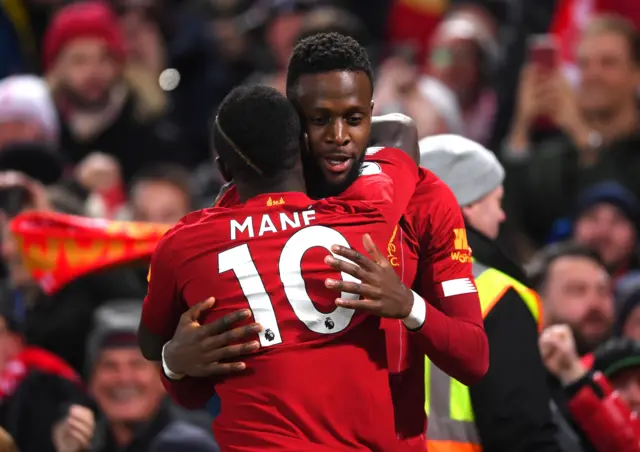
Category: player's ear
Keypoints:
(223, 170)
(372, 105)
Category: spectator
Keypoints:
(619, 361)
(606, 220)
(400, 89)
(34, 384)
(59, 323)
(511, 403)
(29, 129)
(627, 323)
(27, 112)
(126, 388)
(161, 194)
(463, 56)
(103, 107)
(600, 413)
(599, 125)
(575, 289)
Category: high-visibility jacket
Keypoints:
(451, 426)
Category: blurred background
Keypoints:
(104, 113)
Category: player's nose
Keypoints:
(339, 134)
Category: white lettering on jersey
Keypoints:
(241, 262)
(286, 221)
(282, 222)
(248, 224)
(373, 149)
(266, 225)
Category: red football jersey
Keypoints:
(430, 252)
(319, 381)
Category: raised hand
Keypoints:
(381, 290)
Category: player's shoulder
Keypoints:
(192, 222)
(376, 157)
(373, 153)
(432, 195)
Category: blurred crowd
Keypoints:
(105, 110)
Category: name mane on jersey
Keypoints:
(257, 226)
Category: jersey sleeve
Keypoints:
(161, 309)
(453, 333)
(388, 179)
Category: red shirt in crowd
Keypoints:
(319, 380)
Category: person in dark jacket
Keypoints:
(130, 402)
(576, 293)
(600, 401)
(104, 105)
(600, 126)
(511, 403)
(35, 384)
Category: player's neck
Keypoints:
(293, 183)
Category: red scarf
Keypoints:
(59, 248)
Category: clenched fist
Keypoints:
(74, 432)
(558, 350)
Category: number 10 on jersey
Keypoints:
(240, 261)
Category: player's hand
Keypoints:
(75, 431)
(558, 349)
(381, 291)
(195, 349)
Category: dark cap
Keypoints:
(617, 354)
(610, 193)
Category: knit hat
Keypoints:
(115, 325)
(82, 20)
(615, 355)
(468, 168)
(610, 193)
(27, 97)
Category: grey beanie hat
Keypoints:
(469, 169)
(115, 325)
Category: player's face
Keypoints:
(336, 112)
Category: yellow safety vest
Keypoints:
(451, 426)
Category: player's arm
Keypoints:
(452, 334)
(196, 353)
(396, 130)
(160, 309)
(387, 181)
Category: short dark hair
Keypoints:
(538, 268)
(612, 23)
(169, 173)
(326, 52)
(257, 132)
